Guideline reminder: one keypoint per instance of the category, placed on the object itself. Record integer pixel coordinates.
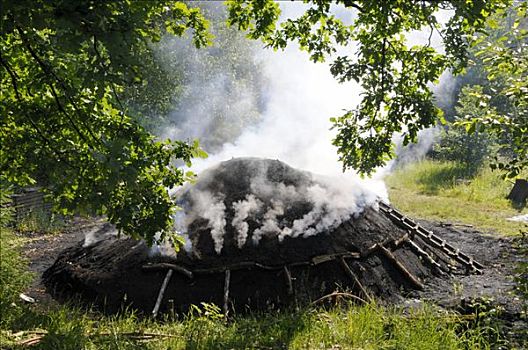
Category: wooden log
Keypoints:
(161, 293)
(246, 265)
(353, 276)
(413, 279)
(165, 266)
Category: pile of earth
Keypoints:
(259, 234)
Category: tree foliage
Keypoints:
(395, 78)
(503, 95)
(63, 66)
(455, 144)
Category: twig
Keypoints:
(338, 294)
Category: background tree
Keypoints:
(395, 78)
(211, 93)
(503, 91)
(64, 65)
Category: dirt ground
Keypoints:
(494, 252)
(41, 250)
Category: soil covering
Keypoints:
(364, 253)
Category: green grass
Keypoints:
(350, 327)
(14, 276)
(443, 191)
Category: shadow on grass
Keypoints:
(518, 206)
(438, 179)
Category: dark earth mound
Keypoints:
(366, 255)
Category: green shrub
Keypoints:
(456, 145)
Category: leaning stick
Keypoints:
(161, 292)
(400, 267)
(287, 276)
(352, 275)
(226, 291)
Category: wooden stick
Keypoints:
(415, 282)
(353, 276)
(227, 280)
(161, 292)
(248, 265)
(339, 294)
(288, 277)
(164, 266)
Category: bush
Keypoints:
(472, 150)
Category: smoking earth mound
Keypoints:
(260, 234)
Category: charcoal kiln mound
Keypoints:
(262, 234)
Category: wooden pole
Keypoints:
(287, 276)
(227, 281)
(161, 292)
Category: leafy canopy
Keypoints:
(63, 67)
(395, 78)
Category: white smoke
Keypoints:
(212, 209)
(271, 222)
(243, 209)
(335, 200)
(98, 233)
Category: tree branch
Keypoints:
(13, 76)
(351, 3)
(49, 71)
